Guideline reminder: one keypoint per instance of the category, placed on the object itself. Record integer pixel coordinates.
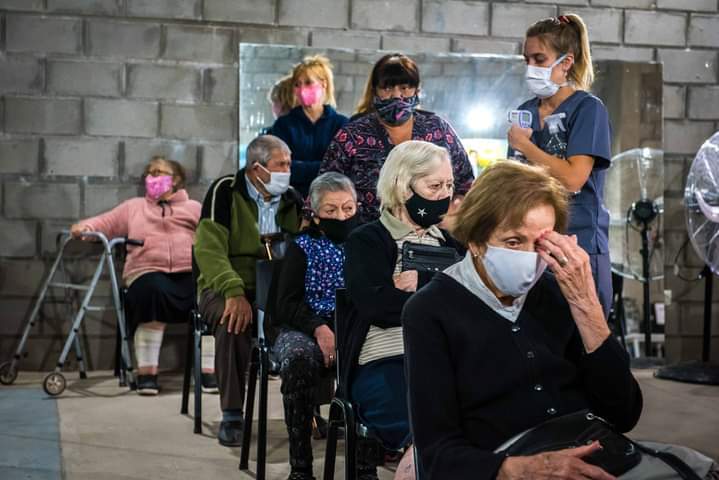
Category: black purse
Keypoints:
(618, 455)
(427, 258)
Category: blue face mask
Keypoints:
(513, 272)
(396, 111)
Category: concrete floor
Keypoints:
(106, 432)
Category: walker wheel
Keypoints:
(54, 384)
(8, 373)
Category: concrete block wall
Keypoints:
(90, 89)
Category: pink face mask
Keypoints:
(309, 94)
(155, 187)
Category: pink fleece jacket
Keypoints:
(167, 228)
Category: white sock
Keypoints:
(208, 354)
(147, 346)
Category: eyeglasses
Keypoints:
(157, 173)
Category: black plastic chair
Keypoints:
(193, 363)
(261, 365)
(342, 410)
(193, 357)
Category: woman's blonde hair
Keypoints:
(502, 196)
(568, 34)
(282, 93)
(390, 70)
(406, 163)
(317, 66)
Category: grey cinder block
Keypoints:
(110, 38)
(85, 78)
(306, 13)
(21, 74)
(29, 33)
(684, 137)
(704, 30)
(121, 117)
(510, 20)
(221, 85)
(200, 44)
(332, 39)
(93, 7)
(164, 82)
(183, 9)
(655, 28)
(201, 122)
(18, 238)
(41, 200)
(246, 11)
(81, 157)
(470, 18)
(478, 45)
(384, 15)
(704, 102)
(139, 151)
(19, 156)
(689, 66)
(43, 115)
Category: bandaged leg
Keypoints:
(208, 354)
(148, 340)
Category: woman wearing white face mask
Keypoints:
(513, 336)
(309, 127)
(570, 133)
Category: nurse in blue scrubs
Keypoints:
(570, 133)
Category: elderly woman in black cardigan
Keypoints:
(512, 336)
(415, 187)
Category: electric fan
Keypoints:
(701, 203)
(634, 196)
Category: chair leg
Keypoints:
(350, 443)
(331, 452)
(197, 356)
(249, 407)
(262, 414)
(188, 367)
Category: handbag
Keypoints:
(427, 258)
(618, 455)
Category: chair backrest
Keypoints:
(263, 281)
(267, 274)
(342, 316)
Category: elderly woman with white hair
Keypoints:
(415, 187)
(313, 269)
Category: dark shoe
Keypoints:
(147, 385)
(230, 433)
(299, 475)
(319, 427)
(367, 474)
(209, 383)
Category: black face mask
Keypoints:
(396, 111)
(424, 212)
(338, 230)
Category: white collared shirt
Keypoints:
(266, 210)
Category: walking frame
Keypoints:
(55, 382)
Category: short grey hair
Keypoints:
(329, 182)
(260, 149)
(405, 164)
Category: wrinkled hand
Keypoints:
(571, 267)
(77, 229)
(406, 281)
(519, 137)
(237, 314)
(564, 465)
(326, 340)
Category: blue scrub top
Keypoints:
(580, 126)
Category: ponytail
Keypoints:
(568, 34)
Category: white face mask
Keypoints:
(539, 79)
(279, 182)
(513, 272)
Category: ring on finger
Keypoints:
(563, 261)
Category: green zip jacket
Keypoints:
(227, 241)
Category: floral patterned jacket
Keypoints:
(359, 149)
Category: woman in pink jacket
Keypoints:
(159, 274)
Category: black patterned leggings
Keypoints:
(301, 363)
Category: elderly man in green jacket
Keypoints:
(239, 212)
